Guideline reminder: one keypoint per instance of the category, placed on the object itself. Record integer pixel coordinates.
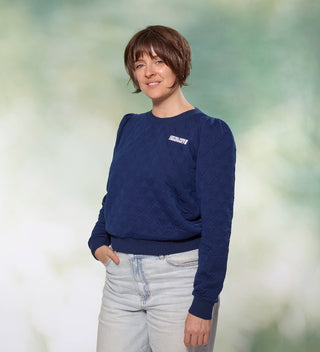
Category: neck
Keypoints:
(174, 105)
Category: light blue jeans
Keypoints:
(145, 303)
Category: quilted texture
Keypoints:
(171, 189)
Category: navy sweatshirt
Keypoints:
(171, 189)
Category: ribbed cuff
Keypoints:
(201, 308)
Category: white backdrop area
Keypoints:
(63, 93)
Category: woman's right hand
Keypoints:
(105, 253)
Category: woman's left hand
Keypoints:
(196, 331)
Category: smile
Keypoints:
(152, 84)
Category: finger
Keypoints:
(187, 339)
(194, 340)
(200, 340)
(112, 255)
(206, 338)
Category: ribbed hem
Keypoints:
(201, 308)
(147, 247)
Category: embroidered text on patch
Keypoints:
(178, 139)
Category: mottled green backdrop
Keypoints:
(63, 93)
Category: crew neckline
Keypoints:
(170, 118)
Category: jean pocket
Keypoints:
(107, 263)
(189, 258)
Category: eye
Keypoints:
(158, 62)
(137, 66)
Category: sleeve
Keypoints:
(99, 235)
(215, 189)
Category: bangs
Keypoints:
(150, 46)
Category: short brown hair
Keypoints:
(167, 43)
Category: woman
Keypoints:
(164, 227)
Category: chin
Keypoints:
(155, 96)
(160, 96)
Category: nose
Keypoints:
(149, 71)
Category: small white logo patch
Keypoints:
(178, 139)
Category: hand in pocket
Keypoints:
(105, 253)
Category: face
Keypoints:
(156, 80)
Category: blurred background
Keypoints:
(63, 93)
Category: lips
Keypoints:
(152, 84)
